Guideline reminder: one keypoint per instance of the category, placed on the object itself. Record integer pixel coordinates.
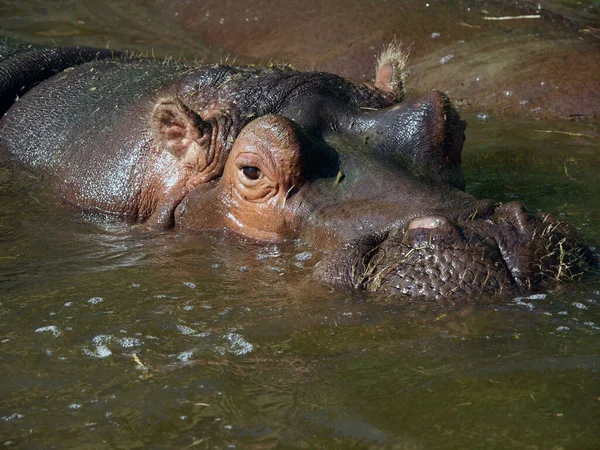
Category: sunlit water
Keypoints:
(118, 337)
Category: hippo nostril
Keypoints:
(513, 208)
(427, 222)
(517, 214)
(431, 230)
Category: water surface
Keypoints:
(117, 337)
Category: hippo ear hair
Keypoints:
(176, 129)
(391, 70)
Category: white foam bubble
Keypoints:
(579, 305)
(101, 350)
(183, 329)
(537, 297)
(129, 342)
(519, 301)
(53, 329)
(12, 416)
(185, 356)
(237, 344)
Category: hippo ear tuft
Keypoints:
(391, 70)
(176, 129)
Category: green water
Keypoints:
(116, 337)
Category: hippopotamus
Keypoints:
(356, 170)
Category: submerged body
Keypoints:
(272, 153)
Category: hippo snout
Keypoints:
(433, 256)
(423, 134)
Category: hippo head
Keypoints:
(357, 171)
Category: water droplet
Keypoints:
(446, 58)
(304, 256)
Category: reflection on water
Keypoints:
(118, 337)
(116, 24)
(549, 166)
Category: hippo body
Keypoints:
(272, 153)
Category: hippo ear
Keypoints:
(391, 70)
(178, 130)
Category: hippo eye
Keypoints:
(252, 173)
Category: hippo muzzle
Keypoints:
(434, 257)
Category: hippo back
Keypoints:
(23, 65)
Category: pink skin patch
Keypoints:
(425, 222)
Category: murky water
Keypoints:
(117, 337)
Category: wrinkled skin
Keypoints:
(271, 153)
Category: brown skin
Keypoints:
(263, 168)
(190, 159)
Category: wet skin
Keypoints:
(271, 153)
